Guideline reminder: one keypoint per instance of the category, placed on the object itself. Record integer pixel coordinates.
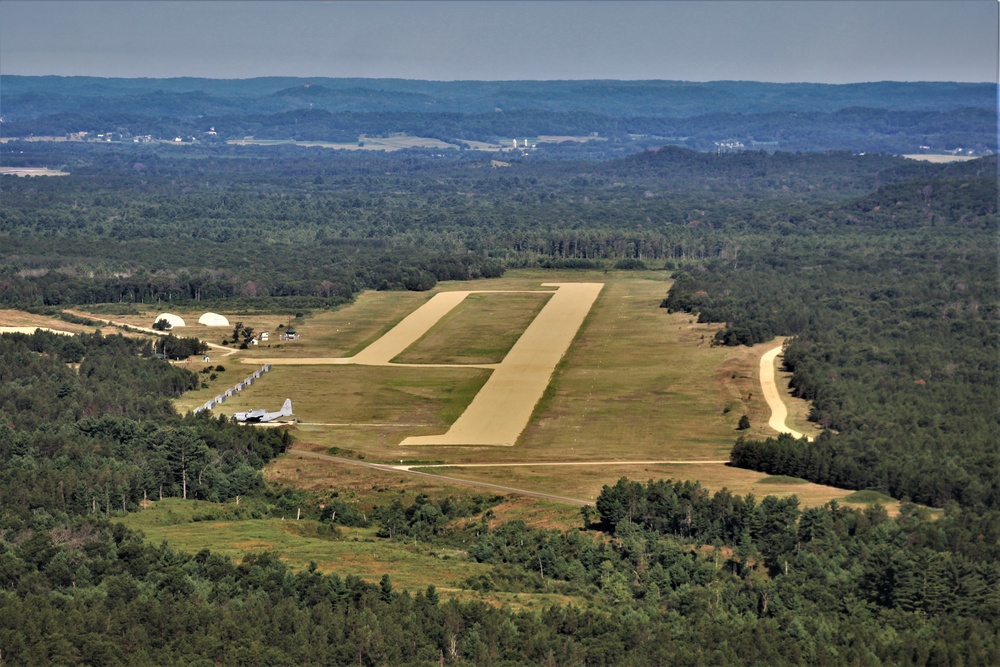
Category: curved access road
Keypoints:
(442, 478)
(409, 470)
(768, 384)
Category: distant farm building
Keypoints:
(213, 320)
(171, 319)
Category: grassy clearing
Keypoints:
(869, 497)
(20, 318)
(350, 551)
(781, 479)
(480, 330)
(356, 551)
(346, 406)
(637, 384)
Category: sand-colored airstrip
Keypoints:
(502, 408)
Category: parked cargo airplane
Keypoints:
(261, 416)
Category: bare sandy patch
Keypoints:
(779, 412)
(940, 159)
(32, 171)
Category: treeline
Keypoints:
(765, 582)
(795, 575)
(883, 177)
(103, 436)
(215, 228)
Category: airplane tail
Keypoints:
(286, 408)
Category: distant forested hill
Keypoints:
(615, 98)
(884, 116)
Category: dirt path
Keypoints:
(555, 463)
(779, 412)
(125, 325)
(450, 480)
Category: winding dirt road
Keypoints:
(409, 470)
(768, 384)
(450, 480)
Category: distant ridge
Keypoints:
(671, 98)
(889, 117)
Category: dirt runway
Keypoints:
(502, 408)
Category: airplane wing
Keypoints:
(286, 410)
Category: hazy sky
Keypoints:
(821, 41)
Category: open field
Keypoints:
(480, 330)
(585, 481)
(411, 565)
(499, 412)
(349, 551)
(394, 143)
(323, 476)
(350, 406)
(19, 320)
(636, 384)
(550, 138)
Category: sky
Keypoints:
(835, 41)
